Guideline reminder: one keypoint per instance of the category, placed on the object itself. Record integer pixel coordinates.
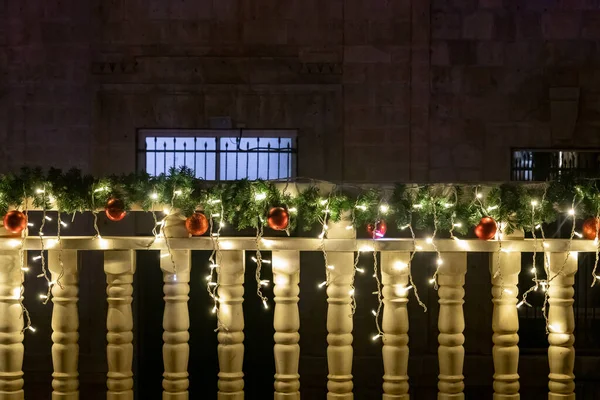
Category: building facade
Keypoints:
(378, 91)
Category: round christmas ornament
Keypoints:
(486, 229)
(197, 224)
(278, 219)
(378, 229)
(15, 221)
(115, 209)
(590, 226)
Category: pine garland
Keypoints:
(246, 203)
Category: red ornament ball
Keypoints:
(196, 224)
(486, 229)
(15, 221)
(115, 209)
(590, 226)
(278, 219)
(378, 229)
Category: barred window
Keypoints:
(219, 155)
(542, 165)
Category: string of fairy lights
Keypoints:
(443, 211)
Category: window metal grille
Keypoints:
(542, 165)
(220, 155)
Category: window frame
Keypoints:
(217, 134)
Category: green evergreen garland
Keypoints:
(246, 203)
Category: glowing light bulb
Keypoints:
(349, 227)
(214, 201)
(519, 304)
(508, 291)
(214, 310)
(331, 267)
(265, 305)
(212, 283)
(178, 193)
(533, 270)
(374, 313)
(51, 283)
(418, 247)
(579, 235)
(534, 203)
(213, 266)
(154, 196)
(30, 224)
(479, 195)
(432, 281)
(538, 226)
(166, 211)
(40, 191)
(429, 240)
(293, 210)
(374, 338)
(64, 224)
(25, 269)
(323, 202)
(361, 207)
(546, 245)
(320, 285)
(260, 196)
(31, 328)
(399, 265)
(491, 208)
(458, 225)
(43, 296)
(208, 277)
(361, 270)
(571, 212)
(384, 208)
(216, 215)
(351, 292)
(222, 224)
(264, 282)
(448, 205)
(36, 258)
(405, 226)
(101, 189)
(48, 218)
(417, 205)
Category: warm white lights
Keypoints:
(64, 224)
(154, 196)
(31, 328)
(264, 282)
(399, 265)
(320, 285)
(440, 261)
(376, 337)
(429, 240)
(374, 313)
(361, 207)
(571, 212)
(361, 270)
(534, 203)
(39, 191)
(458, 225)
(36, 258)
(491, 208)
(293, 210)
(351, 292)
(178, 193)
(260, 196)
(48, 218)
(479, 195)
(43, 296)
(323, 202)
(265, 305)
(384, 208)
(25, 269)
(331, 267)
(166, 211)
(101, 189)
(417, 205)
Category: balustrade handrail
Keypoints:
(298, 244)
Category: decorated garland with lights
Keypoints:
(442, 210)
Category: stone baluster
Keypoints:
(451, 324)
(11, 326)
(504, 269)
(286, 275)
(339, 327)
(176, 323)
(231, 336)
(65, 324)
(119, 266)
(394, 271)
(561, 323)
